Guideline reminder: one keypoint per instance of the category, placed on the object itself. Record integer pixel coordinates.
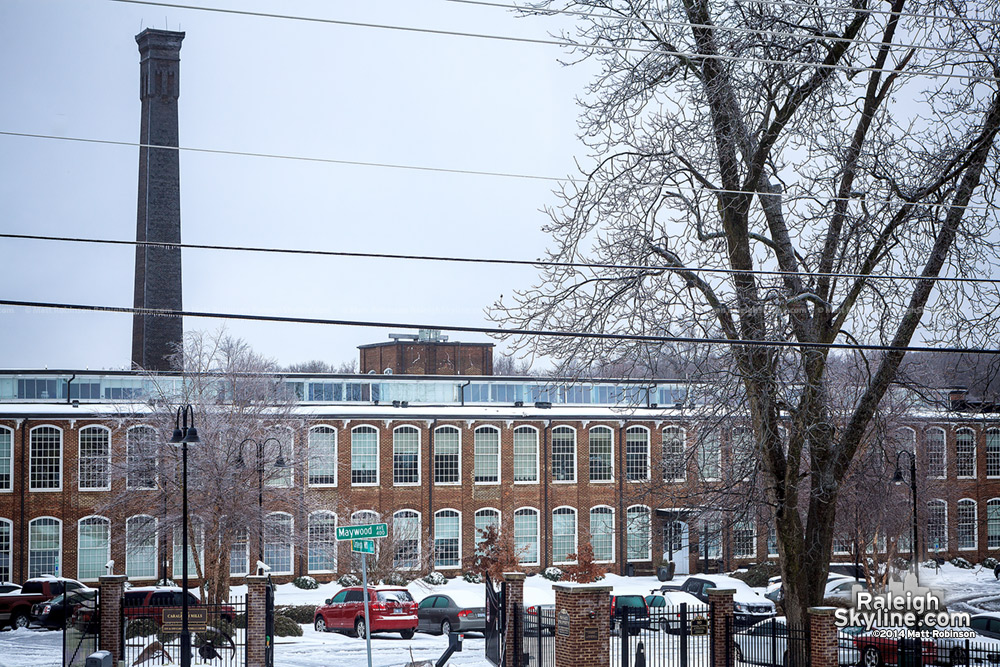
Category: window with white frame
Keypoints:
(710, 538)
(601, 460)
(486, 455)
(281, 476)
(965, 524)
(93, 548)
(636, 453)
(709, 456)
(525, 454)
(563, 454)
(744, 460)
(602, 533)
(45, 460)
(196, 548)
(772, 542)
(935, 452)
(239, 553)
(965, 453)
(745, 539)
(322, 456)
(993, 453)
(141, 549)
(6, 461)
(993, 523)
(405, 456)
(278, 542)
(140, 453)
(44, 546)
(95, 458)
(637, 528)
(937, 525)
(674, 461)
(842, 544)
(322, 541)
(5, 550)
(447, 539)
(564, 535)
(485, 518)
(406, 532)
(526, 535)
(674, 533)
(364, 456)
(447, 444)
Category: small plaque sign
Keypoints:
(562, 623)
(173, 619)
(590, 635)
(699, 626)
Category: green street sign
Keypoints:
(363, 546)
(362, 532)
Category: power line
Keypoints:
(486, 260)
(467, 172)
(498, 331)
(556, 42)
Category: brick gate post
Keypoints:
(720, 611)
(256, 618)
(583, 627)
(112, 592)
(822, 637)
(513, 604)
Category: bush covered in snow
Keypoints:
(306, 583)
(435, 579)
(552, 573)
(286, 627)
(990, 563)
(930, 564)
(473, 577)
(300, 613)
(961, 563)
(348, 580)
(396, 579)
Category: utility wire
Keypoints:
(486, 260)
(494, 331)
(560, 42)
(785, 196)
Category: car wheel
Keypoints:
(871, 657)
(446, 627)
(958, 656)
(20, 620)
(320, 624)
(406, 634)
(360, 629)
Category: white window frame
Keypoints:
(79, 458)
(475, 453)
(176, 549)
(325, 430)
(419, 522)
(649, 533)
(458, 565)
(975, 524)
(130, 548)
(9, 552)
(611, 454)
(291, 541)
(678, 433)
(524, 428)
(31, 456)
(943, 505)
(566, 510)
(552, 453)
(538, 541)
(710, 435)
(613, 533)
(995, 433)
(246, 552)
(993, 537)
(750, 526)
(944, 452)
(635, 428)
(59, 556)
(378, 452)
(9, 488)
(446, 428)
(309, 542)
(477, 540)
(958, 452)
(104, 558)
(129, 457)
(396, 430)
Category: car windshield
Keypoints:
(57, 599)
(630, 601)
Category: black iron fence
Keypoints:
(934, 648)
(81, 630)
(151, 633)
(534, 636)
(664, 636)
(770, 643)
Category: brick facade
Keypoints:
(823, 646)
(582, 628)
(112, 592)
(256, 620)
(513, 606)
(720, 613)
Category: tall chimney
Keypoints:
(158, 270)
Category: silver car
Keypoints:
(441, 614)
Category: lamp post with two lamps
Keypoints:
(897, 479)
(279, 463)
(184, 435)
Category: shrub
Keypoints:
(286, 627)
(961, 563)
(552, 573)
(930, 563)
(348, 580)
(585, 570)
(305, 583)
(397, 579)
(301, 613)
(240, 621)
(990, 562)
(473, 577)
(756, 576)
(140, 627)
(435, 579)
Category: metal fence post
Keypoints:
(623, 634)
(684, 634)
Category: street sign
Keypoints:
(362, 532)
(363, 546)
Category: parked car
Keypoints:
(442, 614)
(664, 609)
(8, 587)
(389, 610)
(749, 606)
(877, 650)
(843, 588)
(150, 601)
(767, 643)
(775, 592)
(53, 613)
(632, 605)
(15, 606)
(540, 617)
(986, 624)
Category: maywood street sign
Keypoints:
(362, 532)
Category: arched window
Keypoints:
(966, 524)
(525, 454)
(485, 518)
(364, 456)
(935, 452)
(526, 535)
(6, 461)
(140, 547)
(95, 458)
(710, 456)
(406, 533)
(636, 453)
(993, 453)
(278, 532)
(602, 533)
(93, 549)
(45, 459)
(937, 525)
(993, 523)
(601, 459)
(965, 453)
(322, 541)
(447, 452)
(196, 548)
(405, 456)
(563, 454)
(322, 456)
(486, 455)
(5, 542)
(638, 530)
(745, 539)
(447, 539)
(674, 460)
(140, 457)
(564, 535)
(44, 546)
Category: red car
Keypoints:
(389, 610)
(877, 651)
(150, 601)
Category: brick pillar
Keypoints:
(822, 637)
(720, 611)
(583, 630)
(256, 617)
(112, 593)
(513, 604)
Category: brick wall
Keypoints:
(582, 628)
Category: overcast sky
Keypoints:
(264, 85)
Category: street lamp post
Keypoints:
(279, 463)
(184, 435)
(897, 479)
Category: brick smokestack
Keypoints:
(158, 270)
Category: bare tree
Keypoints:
(837, 144)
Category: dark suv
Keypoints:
(632, 605)
(389, 610)
(150, 601)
